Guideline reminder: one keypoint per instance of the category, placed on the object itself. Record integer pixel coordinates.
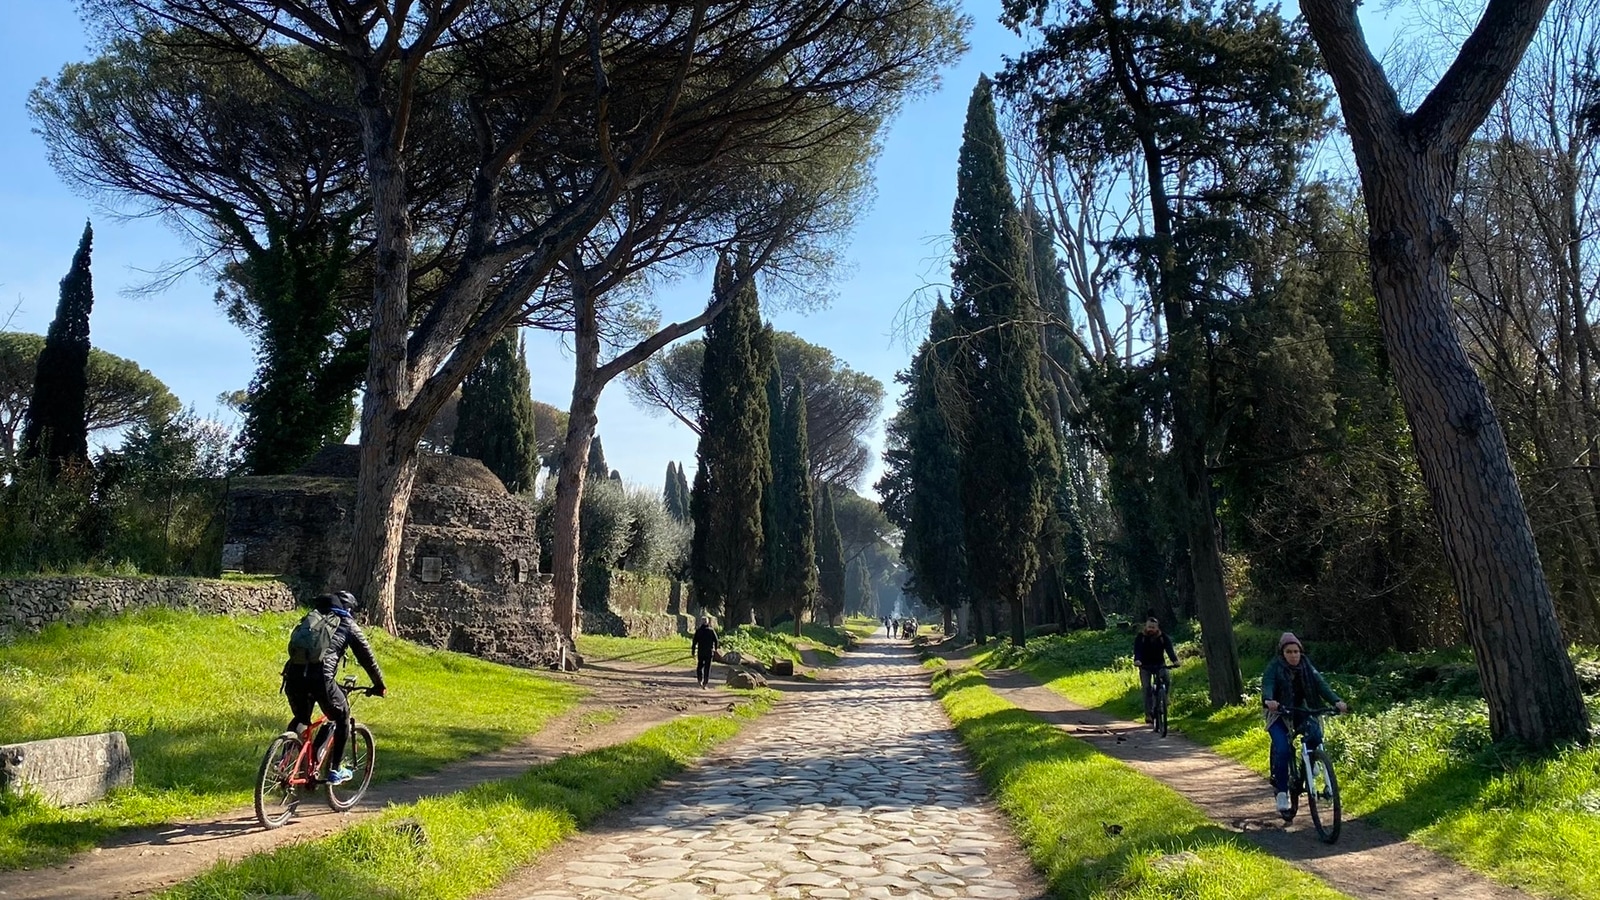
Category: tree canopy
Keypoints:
(842, 405)
(119, 392)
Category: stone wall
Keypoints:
(631, 604)
(29, 604)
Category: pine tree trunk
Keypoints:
(1225, 683)
(1506, 604)
(383, 494)
(1019, 624)
(581, 424)
(388, 450)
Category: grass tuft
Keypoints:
(474, 839)
(1097, 828)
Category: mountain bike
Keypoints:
(1160, 686)
(294, 765)
(1156, 700)
(1313, 776)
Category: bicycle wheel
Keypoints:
(1161, 711)
(1297, 781)
(276, 795)
(359, 757)
(1322, 796)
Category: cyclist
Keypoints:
(1149, 646)
(1291, 682)
(315, 681)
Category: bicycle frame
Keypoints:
(307, 761)
(1314, 776)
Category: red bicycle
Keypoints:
(294, 765)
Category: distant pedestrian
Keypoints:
(704, 649)
(886, 631)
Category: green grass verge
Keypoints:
(862, 626)
(671, 651)
(1062, 795)
(750, 640)
(475, 838)
(1415, 757)
(198, 697)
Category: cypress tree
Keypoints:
(734, 466)
(669, 492)
(684, 514)
(774, 504)
(935, 539)
(797, 584)
(1008, 462)
(830, 556)
(859, 595)
(597, 460)
(495, 417)
(57, 426)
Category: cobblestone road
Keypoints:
(856, 790)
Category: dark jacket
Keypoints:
(1296, 686)
(347, 637)
(705, 642)
(1148, 650)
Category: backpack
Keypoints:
(311, 640)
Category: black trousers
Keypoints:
(702, 669)
(307, 690)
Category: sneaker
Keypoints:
(1283, 801)
(340, 775)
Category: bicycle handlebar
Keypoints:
(349, 686)
(1310, 711)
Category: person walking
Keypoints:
(704, 650)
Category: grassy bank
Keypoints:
(750, 640)
(474, 839)
(1097, 828)
(198, 697)
(1414, 758)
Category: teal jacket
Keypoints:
(1277, 683)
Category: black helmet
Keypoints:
(347, 600)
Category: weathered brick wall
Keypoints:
(29, 604)
(630, 604)
(468, 559)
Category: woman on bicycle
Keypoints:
(1292, 683)
(1149, 645)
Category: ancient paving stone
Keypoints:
(857, 791)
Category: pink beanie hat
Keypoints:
(1287, 639)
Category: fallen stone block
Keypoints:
(67, 771)
(783, 667)
(745, 679)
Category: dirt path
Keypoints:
(145, 861)
(1367, 862)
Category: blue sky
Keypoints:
(179, 334)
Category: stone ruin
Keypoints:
(469, 556)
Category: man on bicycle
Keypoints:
(1149, 647)
(1292, 683)
(311, 678)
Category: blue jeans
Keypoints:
(1283, 748)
